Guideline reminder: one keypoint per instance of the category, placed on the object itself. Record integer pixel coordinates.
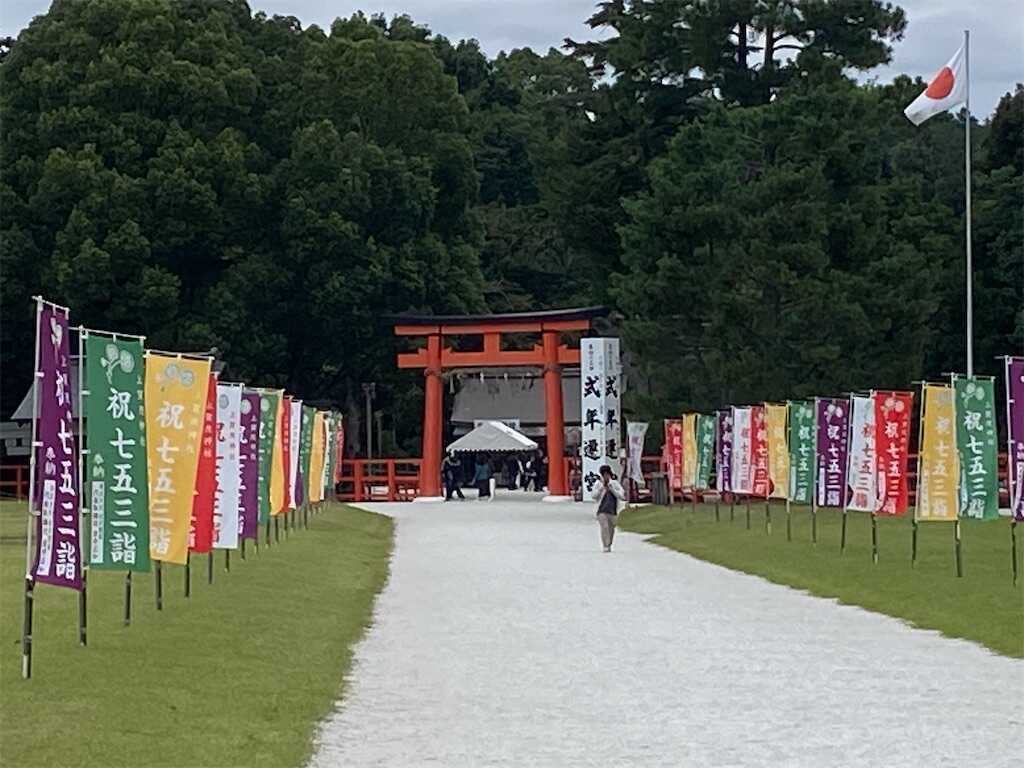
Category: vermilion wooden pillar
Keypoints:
(553, 415)
(433, 409)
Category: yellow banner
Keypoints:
(278, 474)
(778, 449)
(175, 398)
(939, 468)
(316, 459)
(689, 450)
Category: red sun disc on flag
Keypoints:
(942, 85)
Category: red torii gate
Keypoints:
(550, 355)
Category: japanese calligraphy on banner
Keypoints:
(759, 450)
(723, 463)
(58, 550)
(592, 405)
(674, 451)
(742, 474)
(636, 431)
(271, 464)
(227, 495)
(833, 427)
(305, 477)
(326, 482)
(689, 450)
(283, 450)
(175, 397)
(613, 405)
(862, 471)
(802, 440)
(938, 468)
(316, 459)
(339, 447)
(200, 536)
(1015, 433)
(976, 442)
(705, 448)
(294, 452)
(775, 417)
(115, 470)
(249, 469)
(892, 430)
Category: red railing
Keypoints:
(379, 480)
(14, 481)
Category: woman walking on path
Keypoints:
(609, 495)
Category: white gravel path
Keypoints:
(506, 638)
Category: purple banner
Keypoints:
(58, 552)
(833, 436)
(249, 461)
(723, 460)
(1015, 433)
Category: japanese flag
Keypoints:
(947, 89)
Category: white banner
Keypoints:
(742, 468)
(229, 466)
(294, 445)
(613, 407)
(592, 404)
(635, 433)
(862, 471)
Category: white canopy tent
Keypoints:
(492, 437)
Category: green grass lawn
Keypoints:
(983, 606)
(238, 674)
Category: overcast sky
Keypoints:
(934, 32)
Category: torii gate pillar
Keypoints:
(433, 415)
(553, 416)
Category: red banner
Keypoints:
(892, 430)
(674, 451)
(200, 534)
(286, 451)
(759, 450)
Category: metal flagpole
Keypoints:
(26, 633)
(967, 168)
(83, 508)
(956, 523)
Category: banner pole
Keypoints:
(158, 573)
(874, 538)
(768, 516)
(26, 630)
(128, 599)
(1011, 475)
(732, 506)
(959, 562)
(917, 487)
(227, 560)
(748, 511)
(277, 530)
(1013, 549)
(83, 510)
(209, 567)
(789, 523)
(243, 548)
(846, 490)
(188, 575)
(814, 483)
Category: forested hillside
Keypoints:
(764, 226)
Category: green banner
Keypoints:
(331, 423)
(115, 466)
(976, 443)
(269, 404)
(705, 448)
(306, 449)
(801, 451)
